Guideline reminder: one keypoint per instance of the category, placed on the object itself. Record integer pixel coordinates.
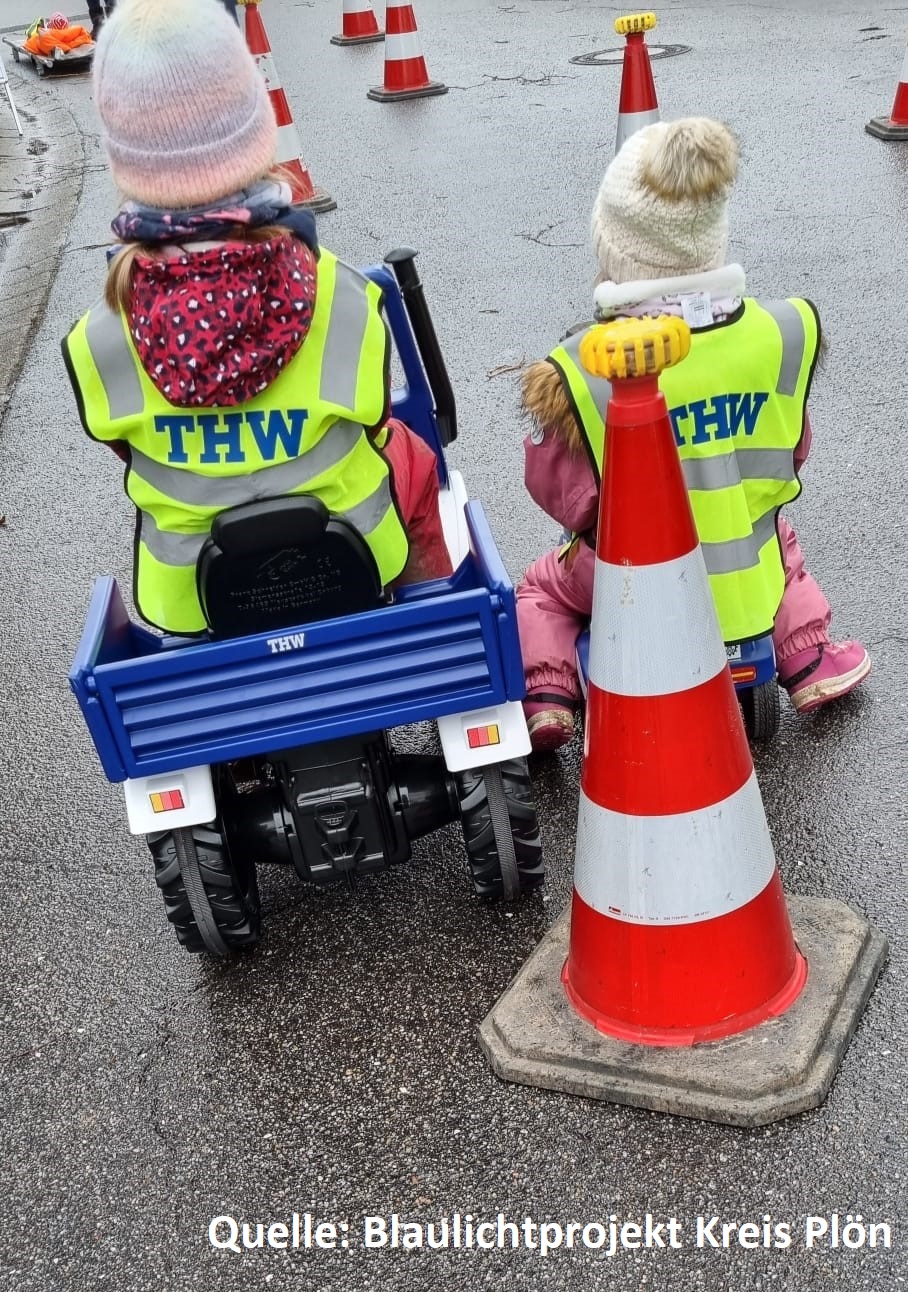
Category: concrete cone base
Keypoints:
(358, 40)
(320, 201)
(782, 1067)
(882, 128)
(392, 96)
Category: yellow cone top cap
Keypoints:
(632, 22)
(634, 347)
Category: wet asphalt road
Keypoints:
(337, 1070)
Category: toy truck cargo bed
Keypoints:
(156, 704)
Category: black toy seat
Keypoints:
(282, 562)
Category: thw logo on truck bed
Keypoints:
(292, 641)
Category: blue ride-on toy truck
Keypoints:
(267, 741)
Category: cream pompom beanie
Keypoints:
(186, 113)
(662, 207)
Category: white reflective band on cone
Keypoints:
(288, 144)
(403, 45)
(630, 122)
(265, 64)
(667, 611)
(674, 869)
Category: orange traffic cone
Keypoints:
(679, 930)
(637, 106)
(304, 192)
(359, 26)
(406, 76)
(895, 126)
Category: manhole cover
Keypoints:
(602, 57)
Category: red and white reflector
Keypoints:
(303, 191)
(406, 76)
(895, 126)
(359, 25)
(679, 927)
(637, 105)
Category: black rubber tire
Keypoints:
(500, 829)
(762, 711)
(212, 903)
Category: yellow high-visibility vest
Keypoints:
(305, 434)
(737, 405)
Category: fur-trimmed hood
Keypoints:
(546, 403)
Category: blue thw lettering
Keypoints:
(175, 425)
(267, 436)
(745, 409)
(719, 418)
(226, 438)
(678, 415)
(710, 419)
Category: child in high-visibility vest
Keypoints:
(217, 285)
(659, 229)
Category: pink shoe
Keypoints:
(814, 677)
(550, 719)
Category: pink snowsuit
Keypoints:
(555, 596)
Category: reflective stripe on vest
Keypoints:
(113, 360)
(173, 548)
(737, 407)
(345, 334)
(791, 326)
(305, 433)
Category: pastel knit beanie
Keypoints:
(662, 207)
(186, 112)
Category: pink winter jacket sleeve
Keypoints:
(561, 481)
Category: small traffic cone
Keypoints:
(679, 985)
(406, 76)
(360, 26)
(303, 191)
(637, 106)
(895, 126)
(679, 930)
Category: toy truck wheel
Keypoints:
(211, 901)
(500, 830)
(762, 711)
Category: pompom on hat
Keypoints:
(662, 208)
(186, 112)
